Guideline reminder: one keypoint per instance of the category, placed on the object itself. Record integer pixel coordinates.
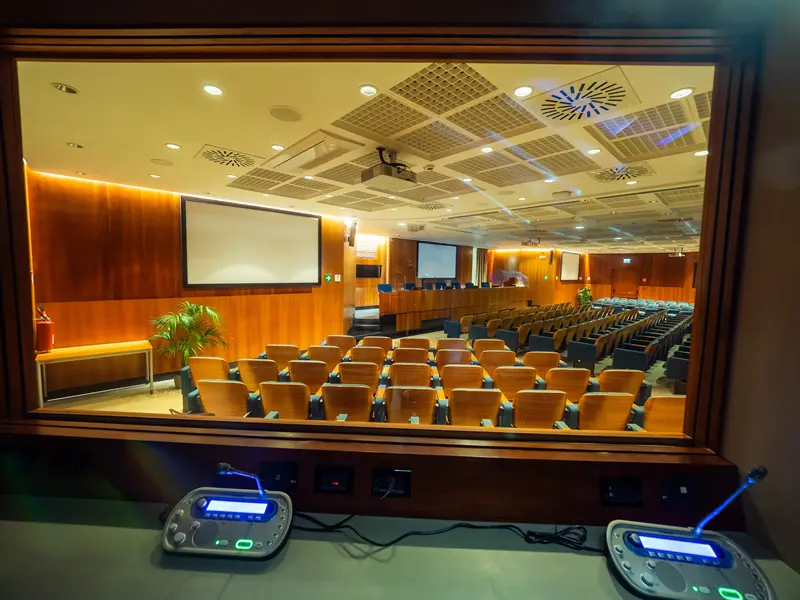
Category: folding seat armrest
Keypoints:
(594, 385)
(541, 384)
(486, 423)
(273, 414)
(384, 380)
(191, 403)
(284, 375)
(389, 358)
(644, 392)
(571, 416)
(436, 381)
(633, 427)
(316, 410)
(334, 376)
(233, 374)
(475, 361)
(431, 358)
(562, 364)
(381, 392)
(304, 355)
(469, 348)
(347, 357)
(432, 349)
(341, 418)
(519, 363)
(254, 406)
(262, 355)
(379, 409)
(488, 384)
(560, 425)
(637, 416)
(506, 416)
(413, 420)
(441, 408)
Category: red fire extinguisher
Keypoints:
(45, 331)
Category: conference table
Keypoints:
(411, 310)
(108, 549)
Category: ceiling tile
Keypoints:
(435, 139)
(345, 173)
(441, 87)
(496, 116)
(382, 116)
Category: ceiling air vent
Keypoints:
(622, 173)
(415, 227)
(227, 157)
(432, 206)
(312, 151)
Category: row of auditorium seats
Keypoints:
(485, 324)
(648, 306)
(455, 285)
(465, 381)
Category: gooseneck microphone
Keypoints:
(753, 477)
(226, 469)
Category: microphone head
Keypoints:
(757, 474)
(223, 468)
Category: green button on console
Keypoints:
(729, 594)
(246, 544)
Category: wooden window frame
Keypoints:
(734, 57)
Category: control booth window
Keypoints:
(195, 256)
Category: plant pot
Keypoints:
(177, 380)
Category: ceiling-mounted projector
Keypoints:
(532, 242)
(390, 175)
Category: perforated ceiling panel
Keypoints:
(703, 104)
(566, 163)
(683, 197)
(259, 180)
(454, 186)
(707, 129)
(423, 194)
(435, 140)
(653, 145)
(510, 175)
(622, 202)
(622, 173)
(303, 189)
(552, 144)
(428, 177)
(346, 173)
(227, 157)
(382, 117)
(496, 116)
(441, 87)
(648, 120)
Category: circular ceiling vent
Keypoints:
(587, 100)
(623, 173)
(64, 87)
(286, 113)
(162, 162)
(432, 206)
(230, 158)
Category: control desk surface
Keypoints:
(59, 548)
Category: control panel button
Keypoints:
(236, 517)
(202, 503)
(172, 527)
(751, 597)
(650, 564)
(223, 543)
(703, 590)
(626, 565)
(244, 544)
(178, 513)
(689, 559)
(258, 518)
(258, 545)
(635, 539)
(195, 524)
(618, 549)
(671, 556)
(647, 580)
(179, 538)
(662, 555)
(230, 517)
(679, 557)
(729, 593)
(653, 554)
(250, 517)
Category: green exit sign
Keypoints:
(328, 277)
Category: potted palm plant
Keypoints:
(585, 295)
(188, 332)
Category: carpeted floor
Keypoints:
(136, 399)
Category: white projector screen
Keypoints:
(226, 244)
(436, 261)
(570, 266)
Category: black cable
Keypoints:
(401, 167)
(573, 537)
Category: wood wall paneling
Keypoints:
(540, 272)
(367, 288)
(655, 276)
(107, 260)
(403, 263)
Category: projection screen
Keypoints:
(436, 261)
(235, 245)
(570, 266)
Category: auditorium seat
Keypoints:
(373, 354)
(285, 400)
(469, 285)
(626, 381)
(252, 371)
(407, 374)
(677, 369)
(381, 341)
(606, 411)
(542, 362)
(408, 287)
(412, 404)
(210, 367)
(515, 339)
(451, 344)
(345, 342)
(453, 357)
(461, 376)
(364, 373)
(423, 343)
(481, 345)
(511, 380)
(485, 284)
(281, 354)
(661, 414)
(491, 359)
(427, 286)
(411, 355)
(330, 355)
(539, 409)
(347, 402)
(456, 285)
(384, 287)
(485, 331)
(454, 329)
(231, 399)
(311, 372)
(480, 319)
(574, 382)
(478, 408)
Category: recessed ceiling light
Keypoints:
(520, 199)
(368, 90)
(449, 210)
(154, 176)
(392, 197)
(265, 195)
(456, 197)
(523, 90)
(308, 177)
(467, 179)
(213, 90)
(701, 153)
(630, 182)
(172, 146)
(341, 208)
(394, 209)
(487, 149)
(617, 238)
(277, 147)
(80, 173)
(402, 224)
(593, 151)
(613, 212)
(578, 226)
(681, 93)
(231, 176)
(74, 145)
(63, 87)
(549, 180)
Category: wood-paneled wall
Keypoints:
(367, 288)
(403, 263)
(541, 273)
(656, 276)
(107, 260)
